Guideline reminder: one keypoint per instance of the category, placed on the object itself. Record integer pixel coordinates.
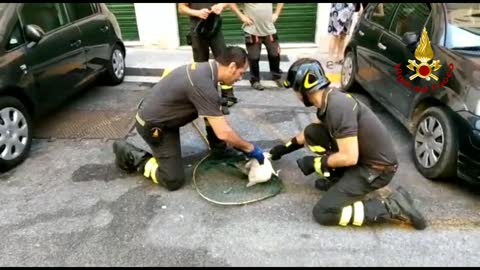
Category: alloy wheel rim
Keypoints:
(429, 142)
(347, 69)
(118, 63)
(13, 133)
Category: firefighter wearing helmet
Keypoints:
(353, 154)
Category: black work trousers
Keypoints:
(166, 149)
(254, 47)
(201, 46)
(201, 51)
(344, 202)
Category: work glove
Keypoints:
(278, 151)
(311, 164)
(257, 153)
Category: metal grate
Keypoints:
(86, 125)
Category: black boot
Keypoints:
(129, 157)
(227, 92)
(325, 184)
(231, 99)
(400, 207)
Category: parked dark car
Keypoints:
(442, 108)
(48, 51)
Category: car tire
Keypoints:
(348, 72)
(115, 73)
(435, 136)
(15, 133)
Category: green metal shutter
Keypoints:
(297, 23)
(125, 13)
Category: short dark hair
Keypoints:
(233, 54)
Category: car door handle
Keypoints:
(76, 43)
(381, 46)
(361, 33)
(104, 28)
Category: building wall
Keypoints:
(321, 36)
(157, 24)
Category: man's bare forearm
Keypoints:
(232, 138)
(347, 155)
(338, 160)
(279, 8)
(300, 138)
(236, 10)
(183, 8)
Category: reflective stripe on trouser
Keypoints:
(351, 188)
(356, 211)
(150, 170)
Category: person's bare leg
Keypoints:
(340, 47)
(332, 48)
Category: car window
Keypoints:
(2, 8)
(382, 14)
(410, 17)
(16, 38)
(79, 11)
(49, 16)
(463, 25)
(429, 24)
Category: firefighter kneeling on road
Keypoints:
(186, 93)
(355, 154)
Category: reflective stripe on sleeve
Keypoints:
(226, 87)
(317, 165)
(317, 149)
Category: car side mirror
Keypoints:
(411, 40)
(34, 33)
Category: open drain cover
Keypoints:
(86, 125)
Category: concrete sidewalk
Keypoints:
(147, 64)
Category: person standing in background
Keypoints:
(338, 27)
(201, 42)
(259, 28)
(359, 8)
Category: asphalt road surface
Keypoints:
(68, 205)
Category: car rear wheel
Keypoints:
(116, 66)
(436, 144)
(15, 133)
(348, 72)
